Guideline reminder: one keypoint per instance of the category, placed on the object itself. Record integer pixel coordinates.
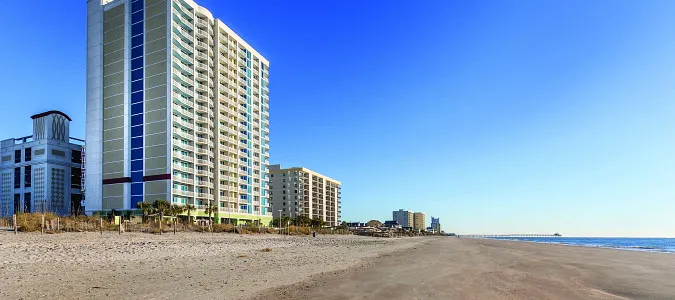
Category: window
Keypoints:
(76, 178)
(26, 200)
(76, 156)
(17, 156)
(17, 177)
(26, 176)
(17, 203)
(27, 154)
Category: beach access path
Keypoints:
(451, 268)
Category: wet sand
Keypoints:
(450, 268)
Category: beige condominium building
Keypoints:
(419, 222)
(177, 109)
(299, 191)
(404, 218)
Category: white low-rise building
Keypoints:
(42, 172)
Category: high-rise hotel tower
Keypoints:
(177, 109)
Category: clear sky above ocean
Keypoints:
(496, 116)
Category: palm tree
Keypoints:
(189, 208)
(161, 207)
(210, 209)
(146, 209)
(176, 210)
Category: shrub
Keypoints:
(299, 230)
(223, 228)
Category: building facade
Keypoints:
(177, 109)
(419, 221)
(302, 192)
(436, 224)
(42, 172)
(404, 218)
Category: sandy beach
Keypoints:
(184, 266)
(450, 268)
(230, 266)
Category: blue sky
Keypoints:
(496, 116)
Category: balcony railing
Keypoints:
(184, 90)
(202, 22)
(203, 195)
(185, 146)
(182, 193)
(184, 157)
(184, 124)
(183, 57)
(183, 180)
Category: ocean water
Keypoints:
(666, 245)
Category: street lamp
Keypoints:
(280, 220)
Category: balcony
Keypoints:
(201, 45)
(182, 168)
(202, 23)
(183, 33)
(202, 119)
(203, 162)
(182, 193)
(182, 157)
(183, 180)
(183, 45)
(203, 195)
(183, 90)
(180, 133)
(185, 58)
(202, 56)
(182, 111)
(202, 88)
(201, 109)
(202, 66)
(178, 98)
(187, 125)
(182, 22)
(202, 33)
(204, 151)
(181, 66)
(184, 147)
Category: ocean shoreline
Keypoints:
(614, 247)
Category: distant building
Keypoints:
(391, 225)
(403, 217)
(299, 191)
(42, 172)
(356, 224)
(436, 224)
(419, 222)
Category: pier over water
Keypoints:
(518, 235)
